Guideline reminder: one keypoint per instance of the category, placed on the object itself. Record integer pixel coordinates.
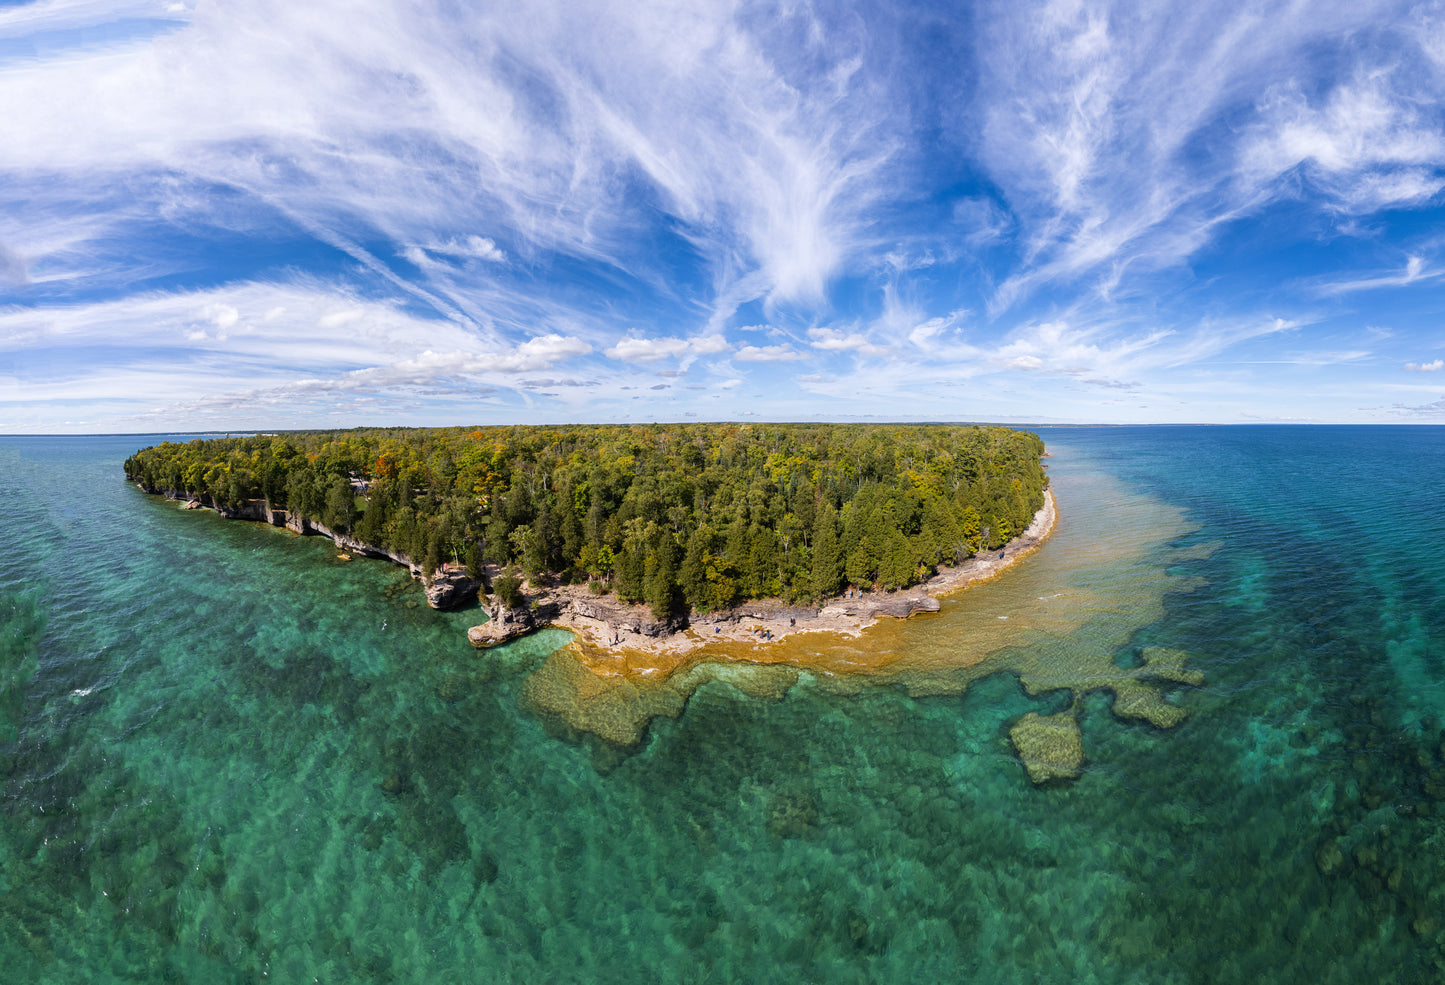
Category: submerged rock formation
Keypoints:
(1051, 747)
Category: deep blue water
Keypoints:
(228, 757)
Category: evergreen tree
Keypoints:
(762, 563)
(579, 494)
(896, 565)
(827, 572)
(862, 564)
(692, 577)
(663, 594)
(339, 512)
(508, 589)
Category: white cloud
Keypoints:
(222, 315)
(1023, 362)
(222, 348)
(538, 173)
(545, 121)
(471, 247)
(477, 247)
(1434, 409)
(1430, 367)
(832, 340)
(1415, 270)
(336, 319)
(639, 349)
(541, 352)
(928, 333)
(1361, 127)
(767, 354)
(1124, 137)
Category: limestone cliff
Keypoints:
(447, 588)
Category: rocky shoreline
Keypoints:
(607, 625)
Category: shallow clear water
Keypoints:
(228, 757)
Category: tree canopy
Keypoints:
(679, 516)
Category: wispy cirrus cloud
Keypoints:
(423, 124)
(1415, 271)
(1125, 135)
(1027, 205)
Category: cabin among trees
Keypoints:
(682, 516)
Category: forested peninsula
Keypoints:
(687, 519)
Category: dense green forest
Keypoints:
(678, 516)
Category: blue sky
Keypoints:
(262, 214)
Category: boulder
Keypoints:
(904, 606)
(624, 618)
(504, 625)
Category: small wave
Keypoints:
(82, 692)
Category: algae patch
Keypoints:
(1051, 747)
(1076, 603)
(617, 709)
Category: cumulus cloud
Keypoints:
(222, 315)
(832, 340)
(640, 349)
(224, 344)
(476, 247)
(767, 354)
(1430, 367)
(541, 352)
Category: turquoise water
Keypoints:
(229, 757)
